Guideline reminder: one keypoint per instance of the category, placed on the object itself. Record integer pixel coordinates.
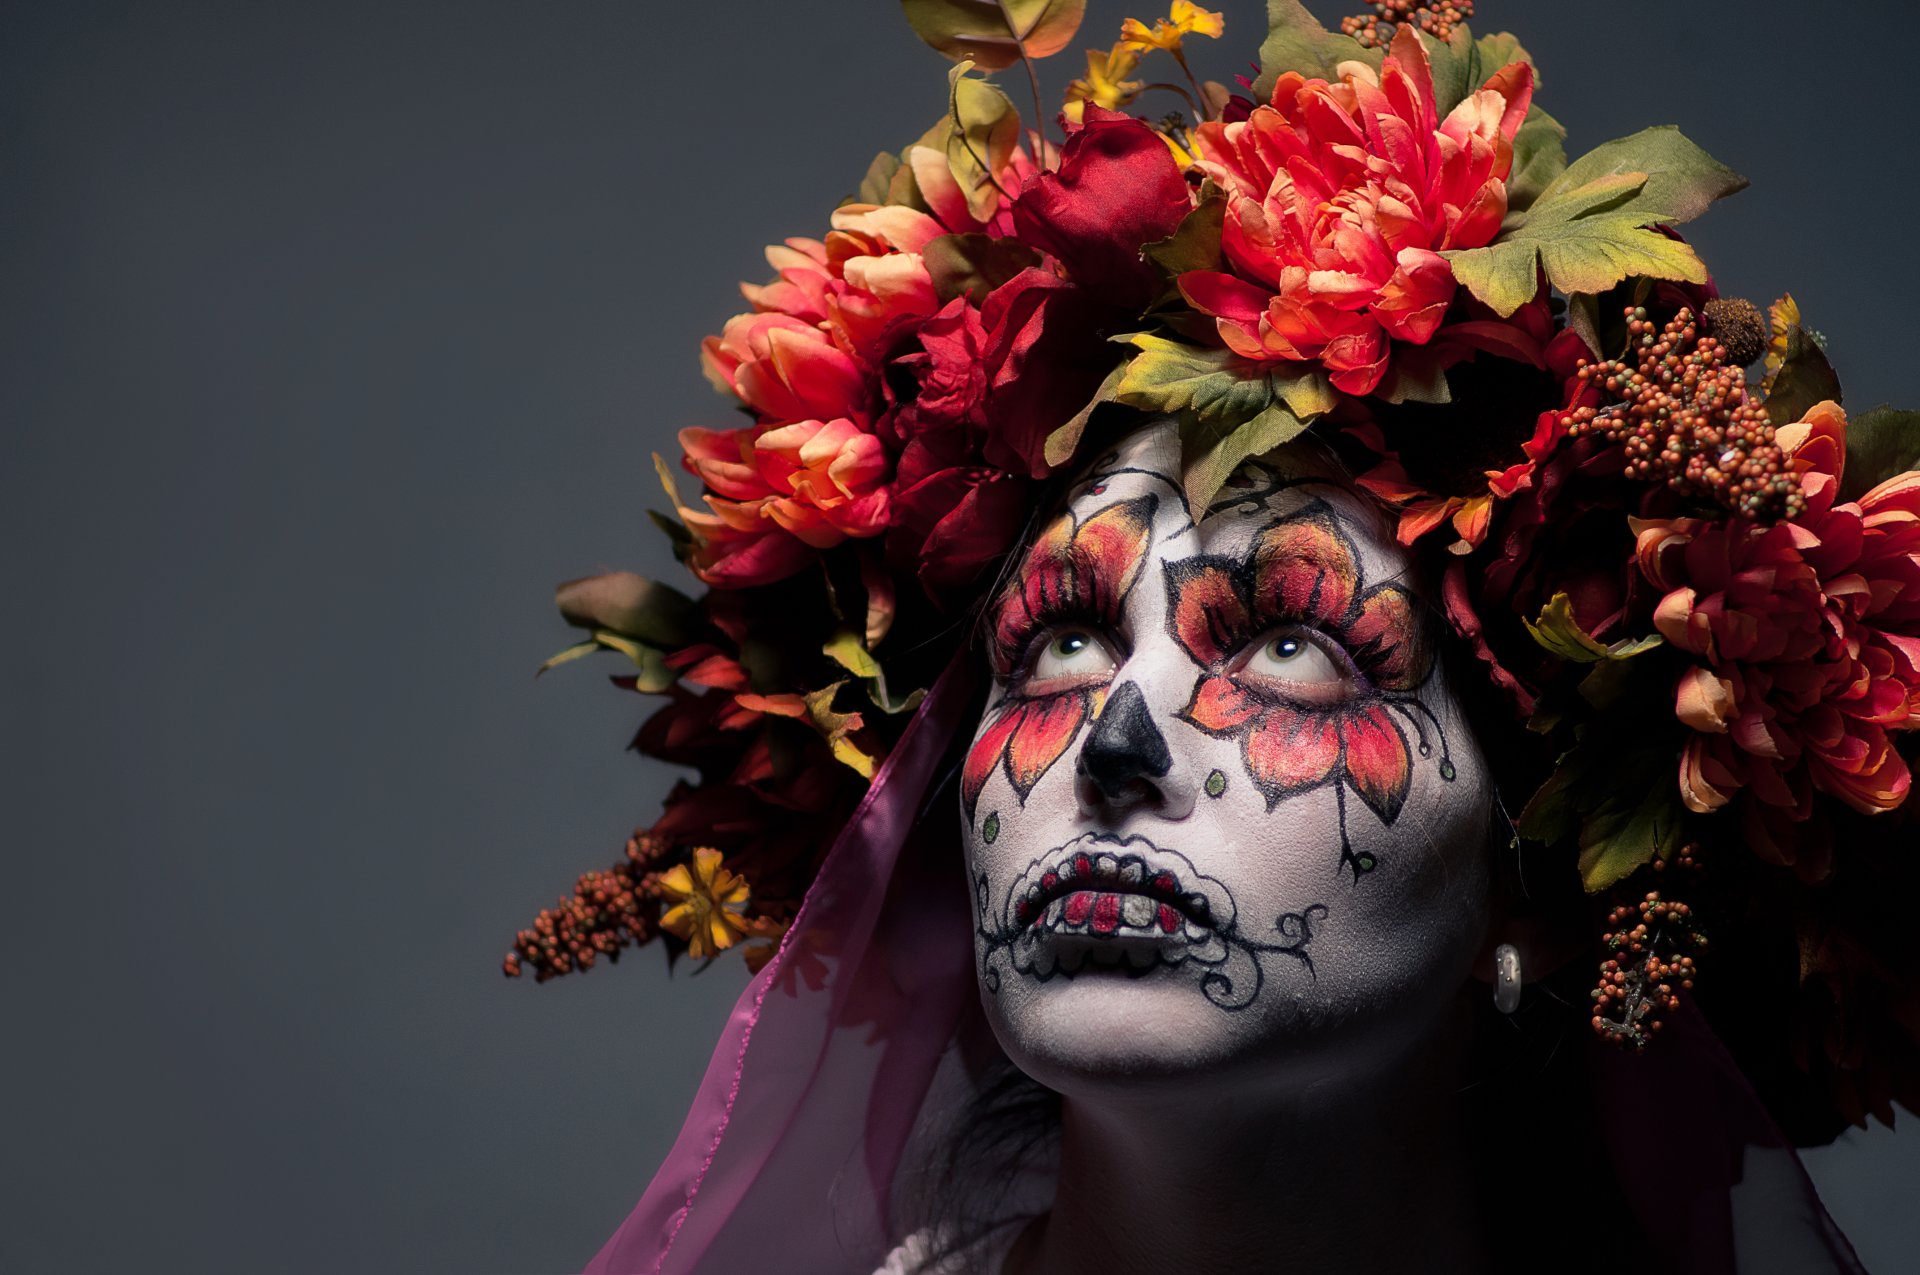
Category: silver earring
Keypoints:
(1506, 978)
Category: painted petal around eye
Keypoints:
(1378, 763)
(1220, 707)
(1289, 750)
(987, 751)
(1304, 569)
(1045, 730)
(1108, 551)
(1209, 617)
(1385, 638)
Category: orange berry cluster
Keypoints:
(1682, 412)
(609, 910)
(1647, 965)
(1375, 30)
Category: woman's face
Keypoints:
(1221, 809)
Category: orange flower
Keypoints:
(710, 912)
(1340, 199)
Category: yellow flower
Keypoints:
(711, 910)
(1782, 318)
(1184, 19)
(1106, 83)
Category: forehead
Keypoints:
(1285, 481)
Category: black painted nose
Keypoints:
(1126, 753)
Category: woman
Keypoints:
(1439, 648)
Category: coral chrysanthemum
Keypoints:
(1340, 199)
(1807, 637)
(812, 472)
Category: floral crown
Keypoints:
(1694, 581)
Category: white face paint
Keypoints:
(1221, 810)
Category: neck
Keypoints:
(1344, 1175)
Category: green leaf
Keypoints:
(1216, 386)
(654, 675)
(878, 182)
(1552, 815)
(630, 604)
(1209, 452)
(1804, 379)
(1416, 375)
(1587, 229)
(985, 133)
(1499, 51)
(1063, 442)
(995, 33)
(971, 266)
(1682, 180)
(1297, 42)
(1627, 831)
(577, 651)
(838, 730)
(1880, 444)
(1561, 635)
(1539, 157)
(1617, 794)
(1212, 385)
(848, 651)
(1195, 245)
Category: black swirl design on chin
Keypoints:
(1059, 919)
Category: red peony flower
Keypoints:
(1340, 198)
(1807, 636)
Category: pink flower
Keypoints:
(1340, 198)
(807, 362)
(1807, 637)
(808, 348)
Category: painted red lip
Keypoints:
(1096, 888)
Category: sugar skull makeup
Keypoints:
(1220, 802)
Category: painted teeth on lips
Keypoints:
(1114, 896)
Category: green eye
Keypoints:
(1296, 660)
(1072, 655)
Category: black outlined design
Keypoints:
(1128, 906)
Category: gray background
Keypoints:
(334, 335)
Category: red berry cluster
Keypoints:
(1682, 412)
(1647, 966)
(1375, 30)
(609, 910)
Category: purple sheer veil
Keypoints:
(796, 1137)
(796, 1132)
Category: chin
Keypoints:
(1108, 1027)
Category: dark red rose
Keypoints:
(1117, 189)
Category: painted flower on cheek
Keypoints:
(1301, 577)
(1077, 573)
